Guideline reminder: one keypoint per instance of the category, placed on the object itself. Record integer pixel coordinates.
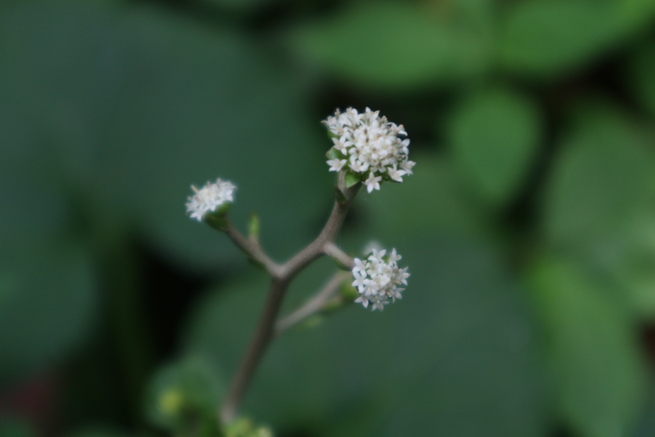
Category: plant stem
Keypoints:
(313, 306)
(281, 276)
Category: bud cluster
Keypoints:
(209, 198)
(368, 146)
(377, 279)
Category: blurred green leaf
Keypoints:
(646, 426)
(592, 349)
(47, 305)
(493, 135)
(456, 354)
(641, 74)
(548, 37)
(392, 44)
(599, 204)
(184, 395)
(600, 183)
(437, 189)
(141, 106)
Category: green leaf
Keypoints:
(43, 316)
(392, 44)
(493, 135)
(136, 108)
(550, 37)
(641, 73)
(592, 350)
(601, 181)
(444, 204)
(184, 395)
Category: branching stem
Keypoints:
(281, 276)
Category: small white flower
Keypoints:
(336, 164)
(209, 198)
(374, 148)
(373, 182)
(377, 279)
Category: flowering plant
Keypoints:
(367, 150)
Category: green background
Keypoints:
(528, 226)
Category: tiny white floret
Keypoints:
(209, 198)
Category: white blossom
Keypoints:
(336, 164)
(209, 198)
(371, 146)
(378, 279)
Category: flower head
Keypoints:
(209, 198)
(378, 278)
(369, 146)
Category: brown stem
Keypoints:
(281, 277)
(261, 339)
(313, 306)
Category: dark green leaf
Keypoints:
(393, 44)
(642, 72)
(431, 199)
(601, 181)
(547, 37)
(493, 137)
(43, 315)
(592, 349)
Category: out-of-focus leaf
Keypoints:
(646, 426)
(456, 354)
(142, 106)
(599, 205)
(47, 305)
(600, 182)
(433, 198)
(493, 136)
(642, 72)
(184, 395)
(592, 350)
(547, 37)
(393, 44)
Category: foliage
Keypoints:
(528, 226)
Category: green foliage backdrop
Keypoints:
(528, 226)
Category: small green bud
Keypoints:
(254, 226)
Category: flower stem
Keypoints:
(281, 276)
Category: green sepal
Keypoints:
(217, 219)
(334, 154)
(348, 292)
(352, 179)
(254, 226)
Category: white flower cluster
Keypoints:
(378, 278)
(209, 198)
(369, 146)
